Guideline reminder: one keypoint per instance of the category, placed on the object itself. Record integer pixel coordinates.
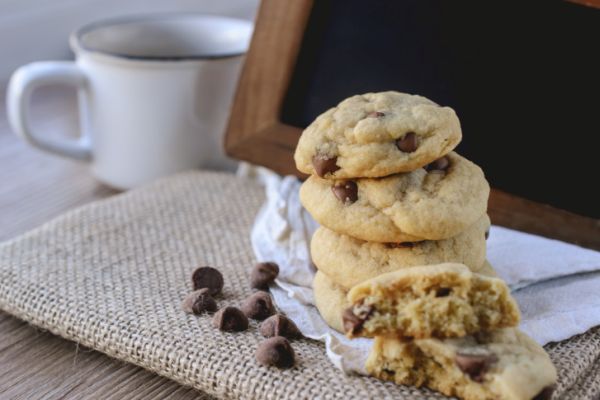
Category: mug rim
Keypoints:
(77, 45)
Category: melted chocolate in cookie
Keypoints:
(346, 192)
(475, 365)
(324, 165)
(408, 143)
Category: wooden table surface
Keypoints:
(35, 187)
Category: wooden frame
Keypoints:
(256, 134)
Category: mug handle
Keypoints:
(23, 83)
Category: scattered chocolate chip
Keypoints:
(324, 165)
(208, 277)
(475, 365)
(199, 301)
(441, 164)
(275, 351)
(487, 234)
(401, 245)
(188, 301)
(263, 274)
(407, 143)
(204, 304)
(352, 322)
(389, 371)
(375, 114)
(546, 393)
(443, 292)
(346, 192)
(230, 319)
(279, 325)
(258, 306)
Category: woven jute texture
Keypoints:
(111, 276)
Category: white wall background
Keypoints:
(33, 30)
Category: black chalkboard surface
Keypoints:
(523, 76)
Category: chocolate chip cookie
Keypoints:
(349, 261)
(377, 134)
(331, 301)
(501, 364)
(426, 204)
(444, 300)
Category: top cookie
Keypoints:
(377, 134)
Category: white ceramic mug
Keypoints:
(154, 94)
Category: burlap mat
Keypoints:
(111, 276)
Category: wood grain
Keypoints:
(256, 134)
(35, 187)
(541, 219)
(36, 365)
(587, 3)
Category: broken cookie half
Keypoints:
(441, 301)
(503, 364)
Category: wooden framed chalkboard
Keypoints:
(522, 76)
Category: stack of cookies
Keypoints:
(401, 250)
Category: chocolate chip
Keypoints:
(188, 301)
(375, 114)
(487, 234)
(204, 304)
(408, 143)
(346, 192)
(401, 245)
(263, 274)
(441, 164)
(443, 292)
(546, 393)
(352, 322)
(324, 165)
(481, 337)
(230, 319)
(475, 365)
(258, 306)
(279, 325)
(208, 277)
(275, 351)
(199, 301)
